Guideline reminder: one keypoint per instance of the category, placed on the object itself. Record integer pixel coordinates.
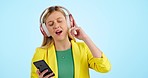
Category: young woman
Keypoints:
(66, 57)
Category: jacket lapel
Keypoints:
(52, 60)
(76, 56)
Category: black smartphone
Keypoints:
(42, 65)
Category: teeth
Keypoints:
(58, 32)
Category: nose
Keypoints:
(56, 25)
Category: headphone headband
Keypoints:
(46, 10)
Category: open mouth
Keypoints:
(58, 32)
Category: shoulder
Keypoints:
(40, 49)
(39, 53)
(80, 45)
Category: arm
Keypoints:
(96, 52)
(96, 59)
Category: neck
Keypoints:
(62, 44)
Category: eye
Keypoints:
(50, 23)
(59, 20)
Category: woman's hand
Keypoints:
(78, 33)
(42, 74)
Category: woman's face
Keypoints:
(57, 25)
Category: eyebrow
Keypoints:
(56, 19)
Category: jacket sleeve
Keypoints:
(99, 64)
(37, 56)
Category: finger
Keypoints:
(72, 32)
(75, 31)
(42, 74)
(49, 75)
(74, 28)
(38, 72)
(71, 28)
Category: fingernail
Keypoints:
(75, 32)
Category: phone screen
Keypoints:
(42, 65)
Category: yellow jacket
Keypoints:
(83, 60)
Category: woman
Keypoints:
(66, 57)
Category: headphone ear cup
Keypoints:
(71, 20)
(68, 21)
(44, 30)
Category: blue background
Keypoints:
(118, 27)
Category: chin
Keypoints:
(60, 38)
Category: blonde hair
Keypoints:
(48, 40)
